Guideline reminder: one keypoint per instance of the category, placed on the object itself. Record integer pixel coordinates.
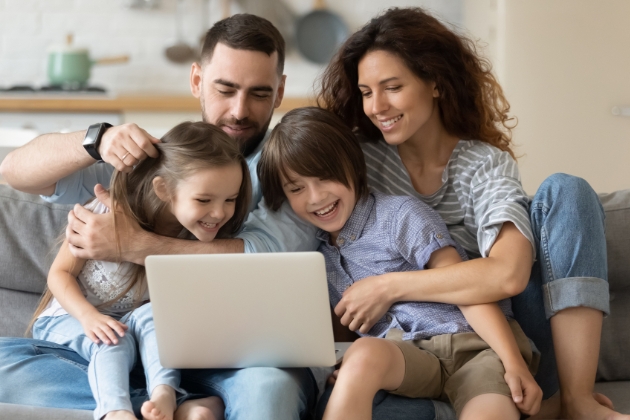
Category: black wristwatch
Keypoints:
(93, 139)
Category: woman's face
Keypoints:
(398, 102)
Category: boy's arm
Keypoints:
(62, 282)
(490, 324)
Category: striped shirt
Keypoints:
(481, 189)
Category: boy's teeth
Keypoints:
(390, 122)
(326, 210)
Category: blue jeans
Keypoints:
(109, 367)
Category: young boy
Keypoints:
(471, 355)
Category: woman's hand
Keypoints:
(99, 327)
(364, 303)
(526, 393)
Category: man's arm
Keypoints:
(37, 166)
(91, 236)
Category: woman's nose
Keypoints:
(379, 103)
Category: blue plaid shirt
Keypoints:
(387, 234)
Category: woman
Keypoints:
(436, 126)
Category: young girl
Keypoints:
(198, 186)
(417, 349)
(436, 127)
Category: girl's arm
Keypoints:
(62, 282)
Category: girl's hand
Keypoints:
(526, 393)
(99, 327)
(364, 303)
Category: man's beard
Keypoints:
(246, 144)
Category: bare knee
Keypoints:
(371, 357)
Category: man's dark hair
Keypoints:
(245, 32)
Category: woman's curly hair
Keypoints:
(471, 102)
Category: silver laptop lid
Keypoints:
(241, 310)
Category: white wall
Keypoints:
(107, 27)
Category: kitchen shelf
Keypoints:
(122, 103)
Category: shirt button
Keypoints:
(388, 317)
(340, 241)
(353, 237)
(439, 236)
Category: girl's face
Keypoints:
(325, 204)
(397, 101)
(203, 202)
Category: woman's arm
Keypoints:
(504, 273)
(62, 282)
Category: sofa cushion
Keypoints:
(29, 228)
(614, 363)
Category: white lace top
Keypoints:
(102, 281)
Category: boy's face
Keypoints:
(325, 204)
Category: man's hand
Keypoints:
(126, 145)
(526, 393)
(364, 303)
(99, 327)
(92, 236)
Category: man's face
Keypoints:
(238, 91)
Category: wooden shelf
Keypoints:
(122, 103)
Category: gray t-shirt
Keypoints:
(481, 189)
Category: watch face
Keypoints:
(93, 139)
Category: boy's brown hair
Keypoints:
(311, 142)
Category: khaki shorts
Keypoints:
(456, 367)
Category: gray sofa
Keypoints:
(29, 228)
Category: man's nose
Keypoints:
(240, 109)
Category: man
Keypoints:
(239, 83)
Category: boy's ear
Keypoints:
(160, 189)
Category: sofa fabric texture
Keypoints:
(30, 229)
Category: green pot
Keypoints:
(69, 66)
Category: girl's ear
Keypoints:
(160, 189)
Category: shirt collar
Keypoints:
(355, 224)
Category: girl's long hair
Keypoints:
(188, 147)
(471, 102)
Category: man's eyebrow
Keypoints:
(227, 83)
(382, 82)
(261, 88)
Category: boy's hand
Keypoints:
(526, 393)
(99, 327)
(333, 377)
(364, 303)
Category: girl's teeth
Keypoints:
(208, 225)
(388, 123)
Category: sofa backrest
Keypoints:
(29, 228)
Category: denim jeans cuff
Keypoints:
(572, 292)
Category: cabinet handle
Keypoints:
(622, 111)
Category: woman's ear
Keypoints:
(436, 92)
(160, 189)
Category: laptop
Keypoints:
(242, 310)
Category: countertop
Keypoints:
(118, 103)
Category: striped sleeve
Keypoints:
(498, 197)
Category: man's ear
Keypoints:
(160, 189)
(280, 91)
(195, 80)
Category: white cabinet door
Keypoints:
(564, 65)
